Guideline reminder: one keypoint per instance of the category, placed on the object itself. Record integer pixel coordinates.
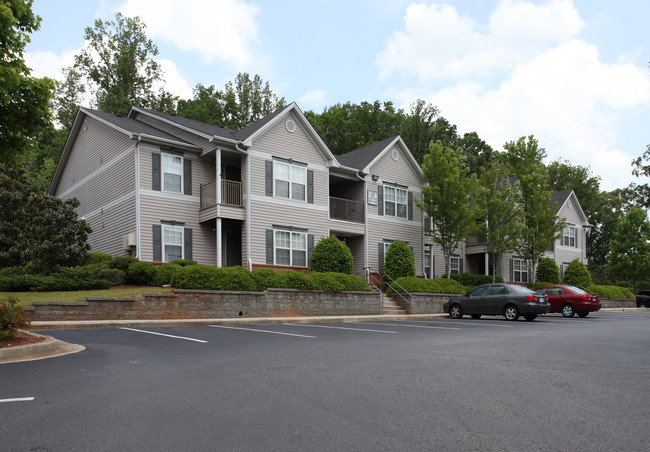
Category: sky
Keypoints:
(575, 74)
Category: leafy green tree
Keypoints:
(641, 168)
(331, 255)
(629, 258)
(447, 198)
(24, 100)
(417, 128)
(478, 153)
(577, 274)
(548, 271)
(541, 227)
(500, 212)
(399, 260)
(38, 228)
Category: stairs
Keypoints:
(391, 307)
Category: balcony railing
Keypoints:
(231, 194)
(346, 210)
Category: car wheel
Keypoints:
(643, 305)
(568, 310)
(583, 314)
(476, 316)
(511, 312)
(456, 312)
(530, 317)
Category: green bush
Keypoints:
(331, 255)
(353, 283)
(184, 262)
(292, 279)
(327, 281)
(399, 260)
(206, 277)
(113, 275)
(165, 274)
(547, 270)
(265, 278)
(470, 280)
(413, 284)
(122, 262)
(611, 291)
(577, 274)
(141, 273)
(12, 317)
(99, 258)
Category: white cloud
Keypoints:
(174, 82)
(314, 99)
(49, 64)
(224, 30)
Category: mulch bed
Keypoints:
(20, 338)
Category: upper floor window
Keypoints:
(290, 181)
(569, 237)
(396, 202)
(519, 270)
(290, 248)
(172, 168)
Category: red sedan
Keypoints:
(570, 300)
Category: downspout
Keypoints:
(248, 205)
(361, 176)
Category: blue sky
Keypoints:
(573, 73)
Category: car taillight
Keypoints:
(586, 297)
(531, 297)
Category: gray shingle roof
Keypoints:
(360, 158)
(560, 197)
(202, 127)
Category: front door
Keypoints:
(233, 249)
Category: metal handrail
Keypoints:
(368, 270)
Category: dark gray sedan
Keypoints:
(508, 300)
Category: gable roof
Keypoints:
(563, 197)
(203, 128)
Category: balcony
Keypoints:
(231, 194)
(346, 210)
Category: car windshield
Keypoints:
(541, 290)
(521, 289)
(578, 290)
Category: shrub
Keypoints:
(399, 260)
(99, 258)
(122, 262)
(265, 278)
(72, 278)
(292, 279)
(12, 317)
(141, 273)
(577, 274)
(165, 274)
(467, 279)
(113, 275)
(353, 282)
(206, 277)
(332, 255)
(611, 291)
(327, 281)
(547, 270)
(413, 284)
(184, 262)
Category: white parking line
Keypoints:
(18, 399)
(166, 335)
(455, 322)
(261, 331)
(339, 328)
(410, 326)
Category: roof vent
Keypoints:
(291, 126)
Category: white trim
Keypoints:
(137, 202)
(111, 204)
(98, 171)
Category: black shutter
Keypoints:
(461, 269)
(380, 200)
(310, 248)
(269, 178)
(410, 207)
(433, 265)
(157, 242)
(188, 243)
(381, 256)
(310, 186)
(512, 270)
(155, 172)
(187, 176)
(269, 246)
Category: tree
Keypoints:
(37, 228)
(24, 100)
(548, 271)
(541, 227)
(478, 153)
(629, 257)
(641, 168)
(399, 261)
(577, 274)
(331, 255)
(237, 105)
(118, 68)
(500, 212)
(447, 198)
(417, 128)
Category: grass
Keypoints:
(28, 298)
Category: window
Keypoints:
(455, 264)
(290, 248)
(290, 181)
(172, 172)
(427, 264)
(172, 242)
(519, 270)
(395, 202)
(569, 236)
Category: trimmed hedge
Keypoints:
(265, 278)
(141, 273)
(165, 274)
(547, 270)
(611, 291)
(331, 255)
(470, 280)
(16, 279)
(399, 260)
(414, 284)
(577, 274)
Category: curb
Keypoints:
(50, 347)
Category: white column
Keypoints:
(487, 264)
(218, 176)
(219, 243)
(218, 228)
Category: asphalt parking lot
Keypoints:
(441, 384)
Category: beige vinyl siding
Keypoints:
(92, 148)
(406, 231)
(397, 171)
(110, 227)
(565, 253)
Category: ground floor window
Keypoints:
(290, 248)
(519, 270)
(455, 264)
(172, 242)
(427, 264)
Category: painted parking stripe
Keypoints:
(339, 328)
(18, 399)
(261, 331)
(166, 335)
(478, 322)
(408, 326)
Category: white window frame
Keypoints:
(297, 176)
(391, 199)
(427, 263)
(165, 243)
(168, 157)
(519, 270)
(293, 237)
(570, 236)
(454, 264)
